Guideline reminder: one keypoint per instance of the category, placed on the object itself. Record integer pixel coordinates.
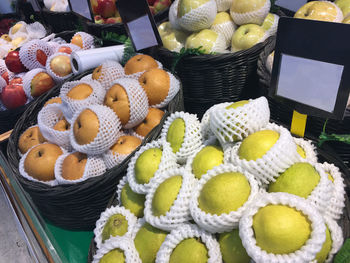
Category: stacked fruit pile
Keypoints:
(218, 25)
(230, 188)
(105, 11)
(96, 122)
(36, 67)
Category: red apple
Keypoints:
(13, 96)
(16, 81)
(5, 76)
(153, 11)
(150, 2)
(99, 19)
(104, 8)
(113, 20)
(160, 5)
(13, 63)
(65, 49)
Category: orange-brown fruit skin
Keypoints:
(152, 119)
(30, 138)
(117, 99)
(73, 166)
(139, 63)
(86, 127)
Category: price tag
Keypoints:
(139, 23)
(293, 5)
(81, 8)
(311, 70)
(6, 7)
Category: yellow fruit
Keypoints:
(189, 251)
(232, 249)
(147, 164)
(206, 159)
(326, 248)
(176, 134)
(132, 201)
(117, 225)
(113, 256)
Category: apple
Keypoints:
(40, 161)
(270, 24)
(31, 137)
(113, 20)
(156, 83)
(13, 96)
(16, 80)
(172, 39)
(320, 10)
(41, 83)
(186, 6)
(152, 119)
(98, 19)
(209, 40)
(140, 63)
(344, 5)
(5, 76)
(73, 166)
(125, 145)
(249, 11)
(104, 8)
(223, 24)
(150, 2)
(117, 99)
(77, 40)
(160, 5)
(41, 57)
(86, 127)
(13, 63)
(152, 9)
(61, 66)
(247, 36)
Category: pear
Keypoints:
(188, 251)
(117, 225)
(132, 201)
(232, 249)
(113, 256)
(206, 159)
(209, 40)
(147, 164)
(176, 134)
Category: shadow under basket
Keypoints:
(60, 21)
(75, 206)
(324, 156)
(283, 113)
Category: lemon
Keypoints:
(148, 241)
(326, 248)
(206, 159)
(224, 193)
(301, 152)
(176, 134)
(116, 225)
(299, 179)
(232, 249)
(165, 195)
(280, 229)
(113, 256)
(132, 201)
(147, 164)
(189, 251)
(257, 144)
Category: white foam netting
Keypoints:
(53, 46)
(36, 30)
(220, 44)
(173, 90)
(108, 132)
(226, 30)
(138, 101)
(179, 212)
(87, 77)
(167, 161)
(280, 157)
(273, 29)
(120, 186)
(223, 222)
(23, 29)
(105, 215)
(223, 5)
(3, 83)
(186, 231)
(69, 106)
(112, 159)
(269, 62)
(192, 139)
(71, 46)
(88, 40)
(336, 236)
(133, 133)
(52, 99)
(200, 18)
(53, 74)
(47, 118)
(3, 67)
(24, 39)
(231, 125)
(173, 19)
(138, 74)
(309, 149)
(110, 71)
(27, 176)
(28, 53)
(27, 79)
(123, 243)
(254, 17)
(59, 6)
(337, 201)
(5, 49)
(306, 253)
(94, 167)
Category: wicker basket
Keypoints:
(76, 206)
(60, 21)
(283, 113)
(323, 156)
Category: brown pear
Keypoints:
(86, 127)
(30, 138)
(62, 125)
(77, 40)
(97, 73)
(152, 119)
(126, 144)
(73, 166)
(80, 92)
(54, 100)
(61, 66)
(139, 63)
(117, 99)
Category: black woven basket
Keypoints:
(283, 113)
(60, 21)
(76, 206)
(324, 156)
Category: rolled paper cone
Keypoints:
(83, 60)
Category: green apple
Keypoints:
(280, 229)
(344, 5)
(189, 250)
(237, 104)
(257, 144)
(132, 201)
(326, 248)
(172, 39)
(249, 11)
(247, 6)
(232, 249)
(165, 195)
(270, 23)
(320, 10)
(186, 6)
(116, 225)
(221, 18)
(299, 179)
(147, 164)
(176, 134)
(113, 256)
(224, 193)
(206, 39)
(206, 159)
(148, 241)
(247, 36)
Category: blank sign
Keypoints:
(142, 33)
(310, 82)
(81, 7)
(293, 5)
